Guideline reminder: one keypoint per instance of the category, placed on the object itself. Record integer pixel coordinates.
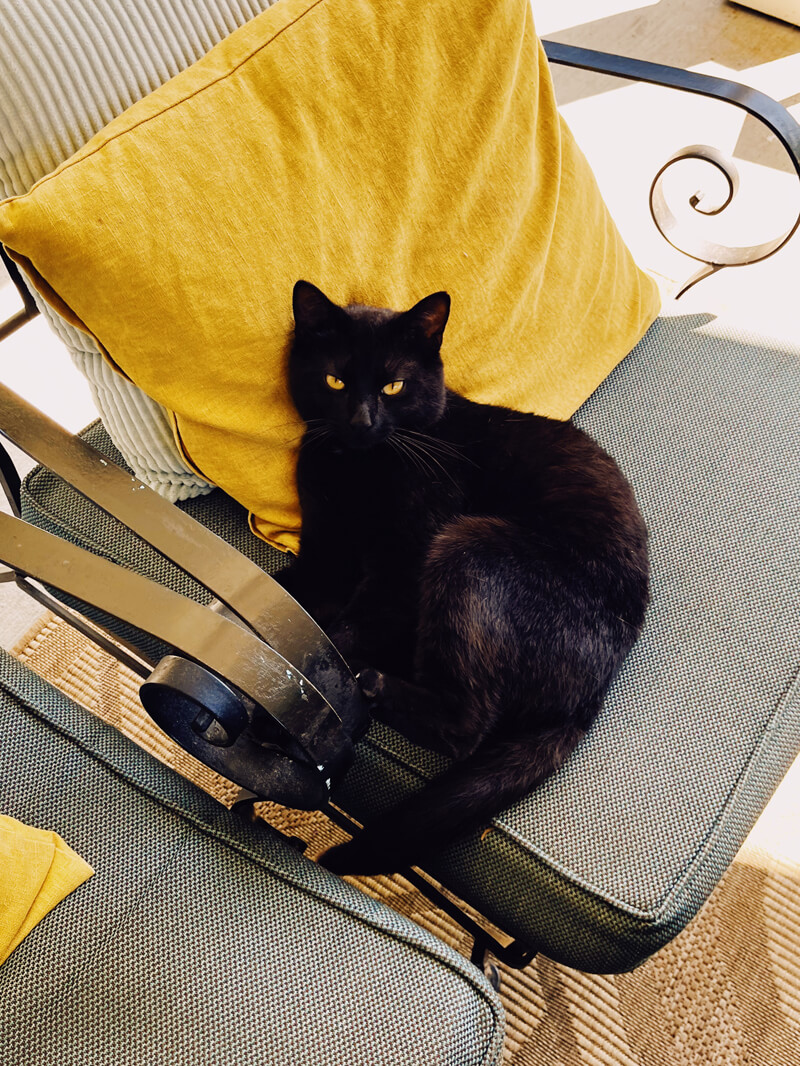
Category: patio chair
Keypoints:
(614, 855)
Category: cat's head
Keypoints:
(366, 372)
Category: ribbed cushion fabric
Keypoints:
(67, 68)
(203, 937)
(608, 861)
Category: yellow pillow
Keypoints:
(382, 149)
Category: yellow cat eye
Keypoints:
(334, 383)
(393, 388)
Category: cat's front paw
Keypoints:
(371, 682)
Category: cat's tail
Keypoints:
(460, 801)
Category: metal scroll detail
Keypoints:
(228, 655)
(772, 114)
(715, 256)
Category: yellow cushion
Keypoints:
(37, 870)
(382, 149)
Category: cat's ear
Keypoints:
(313, 311)
(429, 317)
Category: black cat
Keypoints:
(485, 569)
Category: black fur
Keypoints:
(485, 569)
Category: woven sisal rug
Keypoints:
(726, 992)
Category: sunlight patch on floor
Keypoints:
(775, 833)
(552, 16)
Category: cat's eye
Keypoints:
(393, 388)
(334, 383)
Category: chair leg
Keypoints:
(480, 957)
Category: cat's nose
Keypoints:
(362, 417)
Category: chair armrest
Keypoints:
(29, 308)
(762, 107)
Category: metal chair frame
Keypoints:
(250, 610)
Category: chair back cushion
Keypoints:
(67, 69)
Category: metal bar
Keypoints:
(755, 103)
(29, 308)
(11, 325)
(9, 481)
(513, 954)
(205, 637)
(124, 652)
(770, 112)
(233, 578)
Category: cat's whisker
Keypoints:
(420, 460)
(429, 467)
(305, 429)
(445, 448)
(396, 447)
(316, 434)
(426, 457)
(430, 458)
(295, 423)
(445, 444)
(408, 454)
(431, 449)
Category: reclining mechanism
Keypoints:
(255, 690)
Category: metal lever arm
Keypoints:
(29, 308)
(233, 578)
(234, 654)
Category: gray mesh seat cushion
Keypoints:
(611, 858)
(202, 937)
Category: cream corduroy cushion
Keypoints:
(67, 68)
